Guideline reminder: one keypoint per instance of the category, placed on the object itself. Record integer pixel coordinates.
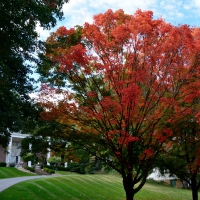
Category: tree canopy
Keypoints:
(18, 50)
(121, 79)
(181, 156)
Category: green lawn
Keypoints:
(88, 187)
(11, 172)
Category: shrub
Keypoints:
(94, 167)
(11, 164)
(30, 168)
(62, 168)
(45, 169)
(54, 160)
(28, 157)
(48, 166)
(56, 167)
(76, 167)
(2, 164)
(50, 171)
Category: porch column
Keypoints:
(49, 152)
(9, 151)
(29, 162)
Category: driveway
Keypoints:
(6, 183)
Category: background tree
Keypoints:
(54, 160)
(80, 160)
(181, 156)
(124, 76)
(34, 148)
(18, 51)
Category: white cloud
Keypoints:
(43, 33)
(197, 3)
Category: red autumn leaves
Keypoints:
(132, 76)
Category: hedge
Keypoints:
(30, 168)
(50, 171)
(2, 164)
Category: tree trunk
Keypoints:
(194, 189)
(128, 186)
(194, 194)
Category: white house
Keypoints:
(157, 176)
(12, 154)
(167, 178)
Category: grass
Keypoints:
(65, 173)
(88, 187)
(11, 172)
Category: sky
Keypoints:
(177, 12)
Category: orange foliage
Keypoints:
(147, 63)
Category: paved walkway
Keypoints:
(7, 182)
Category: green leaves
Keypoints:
(18, 55)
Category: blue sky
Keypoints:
(76, 12)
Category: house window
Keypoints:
(16, 160)
(173, 183)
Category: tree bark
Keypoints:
(194, 189)
(194, 194)
(128, 186)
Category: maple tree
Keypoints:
(182, 158)
(181, 155)
(121, 79)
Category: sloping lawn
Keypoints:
(88, 187)
(11, 172)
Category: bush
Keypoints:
(50, 171)
(30, 168)
(2, 164)
(62, 168)
(76, 167)
(48, 166)
(54, 160)
(28, 157)
(94, 167)
(11, 164)
(56, 167)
